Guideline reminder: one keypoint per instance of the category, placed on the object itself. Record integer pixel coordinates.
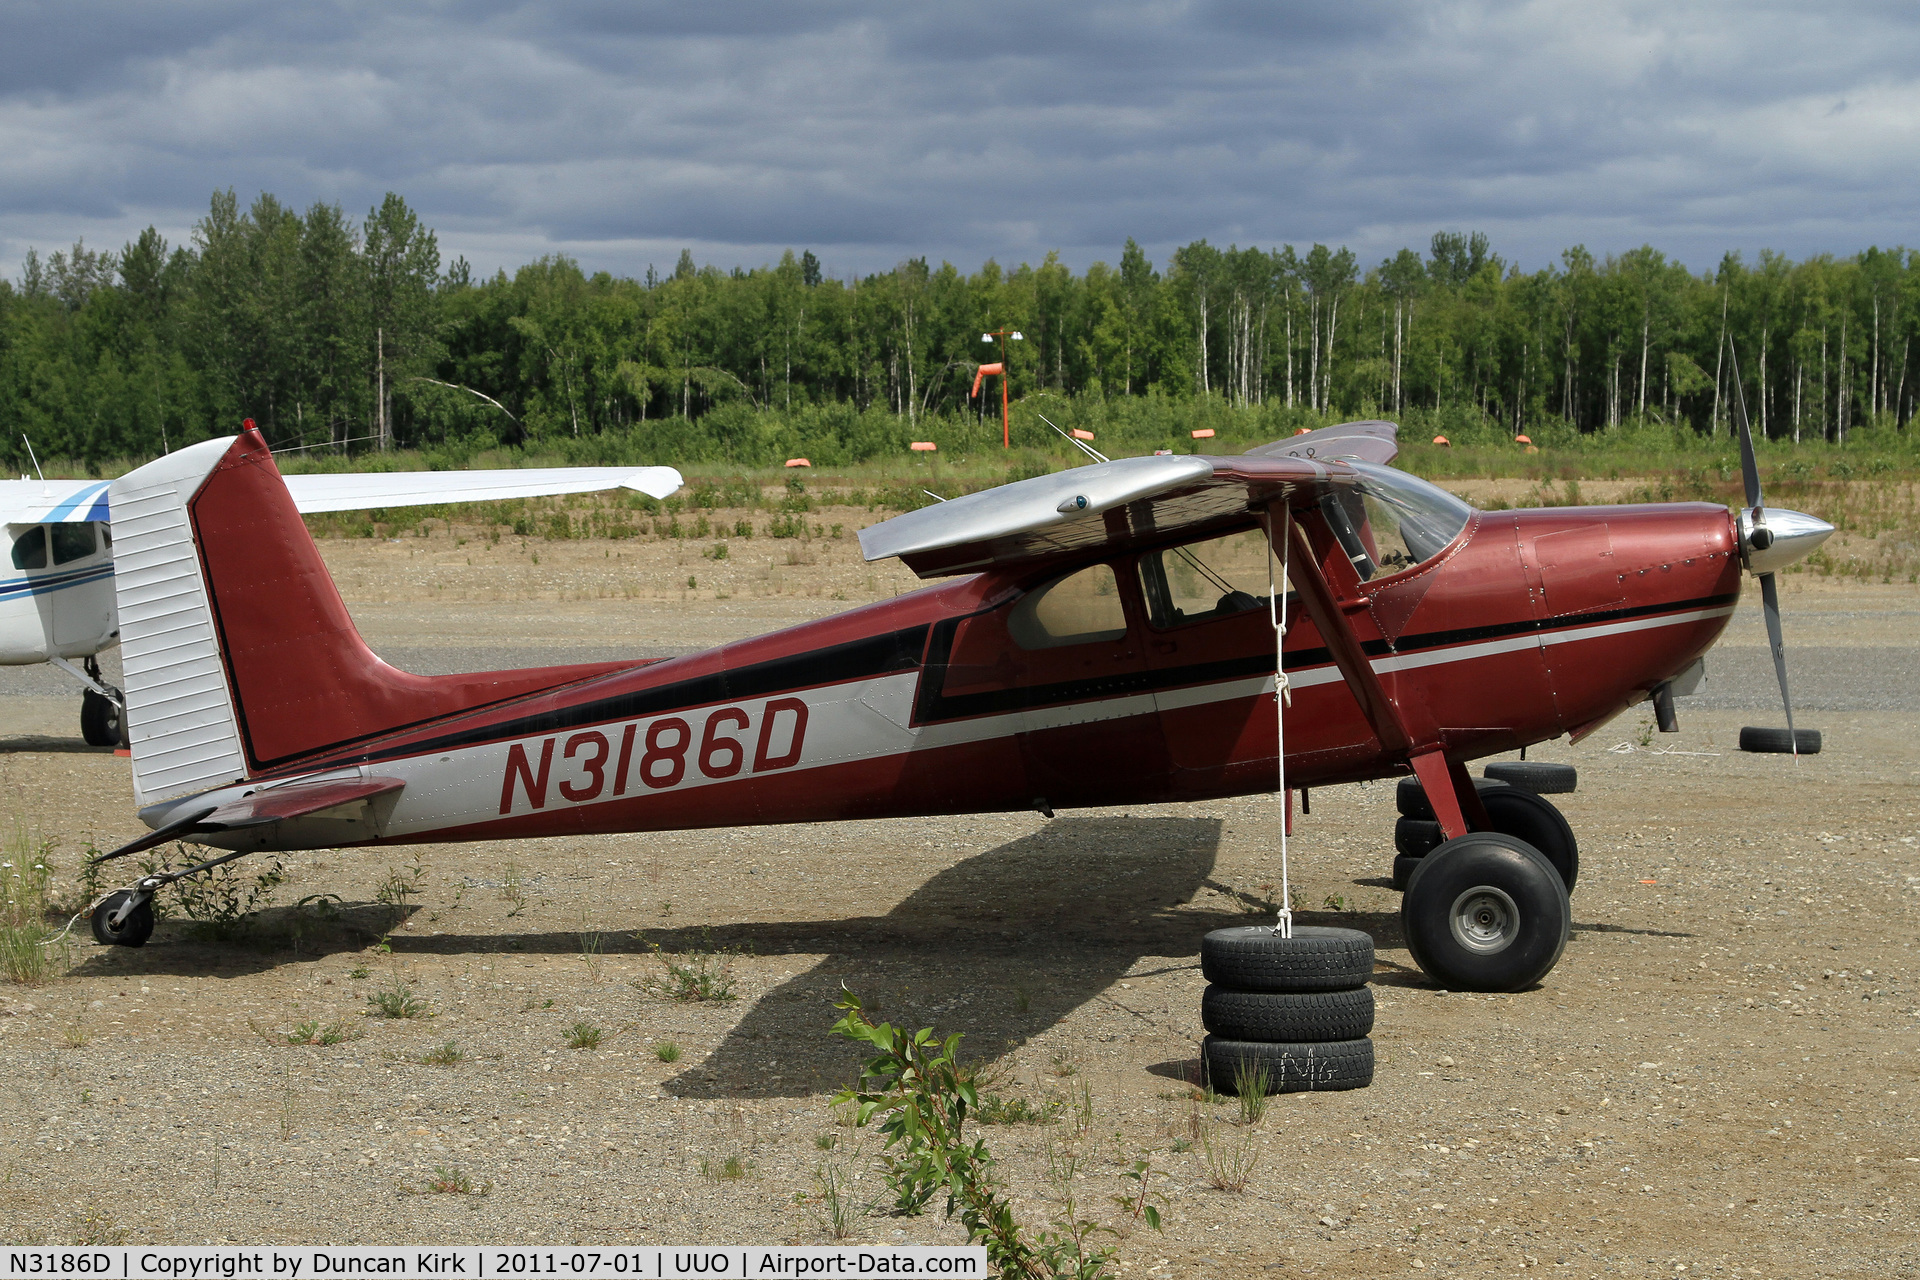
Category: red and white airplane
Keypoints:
(1100, 636)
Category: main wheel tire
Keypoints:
(1416, 837)
(1315, 958)
(1779, 741)
(1486, 912)
(1298, 1016)
(1300, 1067)
(133, 931)
(1403, 871)
(99, 720)
(1411, 798)
(1533, 820)
(1537, 776)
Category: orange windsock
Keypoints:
(1442, 440)
(1204, 433)
(798, 462)
(923, 446)
(985, 371)
(1078, 434)
(1523, 439)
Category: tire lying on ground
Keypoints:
(1285, 1016)
(1779, 741)
(1537, 776)
(1319, 1066)
(1315, 958)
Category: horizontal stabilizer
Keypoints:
(299, 800)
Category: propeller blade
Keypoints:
(1770, 606)
(1749, 465)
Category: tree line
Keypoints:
(342, 336)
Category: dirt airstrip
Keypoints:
(1718, 1078)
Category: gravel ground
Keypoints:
(1718, 1077)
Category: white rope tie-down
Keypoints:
(1282, 696)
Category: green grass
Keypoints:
(997, 1110)
(449, 1054)
(584, 1035)
(667, 1051)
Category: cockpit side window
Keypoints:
(1215, 578)
(1080, 608)
(30, 549)
(1392, 521)
(72, 540)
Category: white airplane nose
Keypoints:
(1780, 538)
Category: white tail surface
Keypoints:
(180, 715)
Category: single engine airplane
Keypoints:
(58, 604)
(1103, 635)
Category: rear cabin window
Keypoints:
(1202, 580)
(73, 541)
(1080, 608)
(30, 549)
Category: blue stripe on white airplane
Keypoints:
(14, 588)
(94, 495)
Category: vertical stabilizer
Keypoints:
(180, 714)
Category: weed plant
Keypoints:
(584, 1035)
(1251, 1081)
(1229, 1154)
(316, 1033)
(997, 1110)
(28, 957)
(667, 1051)
(396, 1001)
(449, 1054)
(695, 976)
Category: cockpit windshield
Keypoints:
(1394, 521)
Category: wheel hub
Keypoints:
(1484, 920)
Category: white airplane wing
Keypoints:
(52, 501)
(56, 501)
(364, 490)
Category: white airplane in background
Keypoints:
(57, 593)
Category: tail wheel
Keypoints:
(1486, 912)
(131, 932)
(100, 720)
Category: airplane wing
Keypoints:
(1121, 503)
(56, 501)
(52, 501)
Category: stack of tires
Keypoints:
(1297, 1010)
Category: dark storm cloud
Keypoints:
(620, 132)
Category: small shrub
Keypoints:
(718, 551)
(396, 1001)
(667, 1051)
(695, 976)
(998, 1110)
(449, 1054)
(584, 1035)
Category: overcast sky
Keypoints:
(870, 132)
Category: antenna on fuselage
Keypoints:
(1079, 444)
(36, 461)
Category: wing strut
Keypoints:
(1330, 591)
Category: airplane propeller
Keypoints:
(1769, 539)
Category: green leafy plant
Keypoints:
(914, 1088)
(314, 1032)
(584, 1035)
(221, 901)
(449, 1054)
(396, 1001)
(695, 976)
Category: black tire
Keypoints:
(99, 720)
(1416, 837)
(1312, 1066)
(1537, 776)
(133, 931)
(1315, 958)
(1486, 912)
(1403, 871)
(1298, 1016)
(1533, 820)
(1779, 742)
(1411, 798)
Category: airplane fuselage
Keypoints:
(1529, 625)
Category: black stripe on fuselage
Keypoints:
(913, 648)
(933, 706)
(832, 664)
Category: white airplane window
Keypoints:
(1078, 609)
(72, 541)
(1202, 580)
(30, 549)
